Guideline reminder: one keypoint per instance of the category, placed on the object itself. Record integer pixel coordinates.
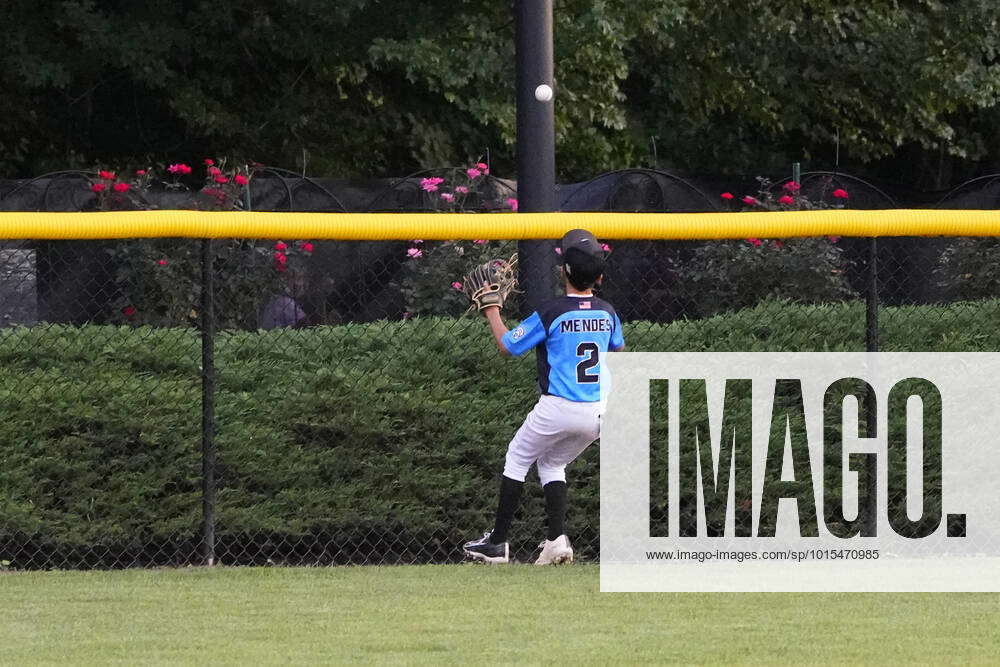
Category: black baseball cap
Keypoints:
(583, 241)
(583, 257)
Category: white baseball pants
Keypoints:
(554, 433)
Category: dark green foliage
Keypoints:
(360, 87)
(734, 274)
(353, 434)
(969, 268)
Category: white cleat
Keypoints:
(555, 552)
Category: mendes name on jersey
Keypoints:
(570, 334)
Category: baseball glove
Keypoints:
(490, 283)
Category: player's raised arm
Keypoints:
(498, 327)
(488, 286)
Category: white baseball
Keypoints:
(543, 93)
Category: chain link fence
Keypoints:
(170, 402)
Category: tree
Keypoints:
(383, 87)
(729, 84)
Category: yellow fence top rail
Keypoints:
(441, 226)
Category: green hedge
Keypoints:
(333, 442)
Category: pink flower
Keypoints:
(414, 253)
(98, 187)
(840, 193)
(121, 187)
(430, 184)
(106, 175)
(307, 247)
(605, 247)
(727, 195)
(473, 173)
(214, 171)
(512, 203)
(221, 179)
(750, 201)
(792, 186)
(448, 197)
(280, 245)
(162, 262)
(456, 285)
(483, 167)
(834, 239)
(141, 172)
(479, 241)
(280, 258)
(209, 162)
(128, 311)
(786, 199)
(462, 190)
(241, 179)
(179, 168)
(558, 251)
(415, 241)
(756, 243)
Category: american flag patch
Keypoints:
(584, 305)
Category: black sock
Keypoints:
(510, 496)
(555, 508)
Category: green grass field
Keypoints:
(465, 614)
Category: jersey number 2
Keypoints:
(590, 351)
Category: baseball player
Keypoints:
(569, 335)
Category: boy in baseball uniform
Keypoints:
(570, 335)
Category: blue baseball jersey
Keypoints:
(570, 335)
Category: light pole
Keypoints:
(536, 163)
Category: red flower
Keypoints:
(840, 193)
(241, 179)
(128, 311)
(727, 195)
(786, 199)
(162, 262)
(750, 201)
(308, 247)
(214, 171)
(107, 175)
(98, 187)
(756, 243)
(121, 187)
(209, 162)
(141, 172)
(221, 179)
(792, 186)
(280, 245)
(280, 260)
(179, 168)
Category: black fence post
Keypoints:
(536, 163)
(207, 402)
(871, 416)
